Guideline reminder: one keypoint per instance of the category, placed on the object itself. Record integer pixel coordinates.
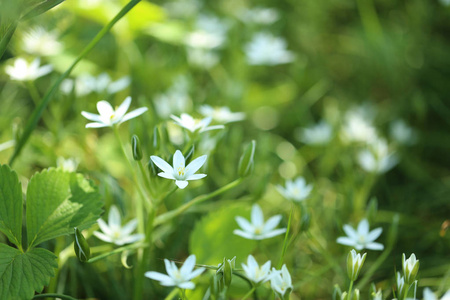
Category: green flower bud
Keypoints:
(226, 268)
(156, 139)
(136, 147)
(246, 162)
(354, 264)
(356, 294)
(344, 296)
(337, 293)
(410, 268)
(189, 154)
(400, 285)
(81, 247)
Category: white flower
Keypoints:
(259, 15)
(296, 190)
(402, 133)
(179, 172)
(258, 229)
(254, 272)
(175, 100)
(113, 232)
(177, 277)
(109, 117)
(202, 58)
(410, 267)
(86, 84)
(378, 159)
(281, 282)
(41, 42)
(69, 164)
(319, 134)
(429, 295)
(354, 264)
(221, 114)
(195, 125)
(210, 33)
(361, 238)
(266, 49)
(22, 71)
(358, 126)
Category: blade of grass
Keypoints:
(7, 37)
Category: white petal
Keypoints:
(122, 109)
(103, 237)
(363, 227)
(187, 285)
(272, 233)
(129, 227)
(170, 268)
(133, 114)
(196, 177)
(96, 125)
(114, 218)
(167, 175)
(162, 164)
(374, 246)
(181, 183)
(212, 128)
(188, 265)
(195, 273)
(244, 224)
(159, 276)
(350, 232)
(92, 117)
(374, 234)
(257, 216)
(104, 227)
(105, 109)
(272, 223)
(44, 70)
(346, 241)
(244, 234)
(132, 238)
(195, 165)
(178, 160)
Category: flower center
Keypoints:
(258, 230)
(116, 234)
(181, 171)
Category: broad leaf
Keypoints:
(21, 274)
(10, 205)
(58, 201)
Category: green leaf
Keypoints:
(41, 8)
(212, 238)
(58, 201)
(21, 274)
(10, 205)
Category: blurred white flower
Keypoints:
(318, 134)
(402, 133)
(210, 33)
(358, 126)
(182, 8)
(281, 282)
(86, 84)
(23, 71)
(378, 158)
(296, 190)
(175, 100)
(256, 273)
(257, 229)
(69, 164)
(410, 267)
(361, 238)
(429, 295)
(40, 42)
(355, 262)
(259, 15)
(266, 49)
(202, 58)
(109, 117)
(195, 125)
(445, 2)
(400, 284)
(113, 232)
(177, 277)
(221, 114)
(180, 172)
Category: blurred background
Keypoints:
(353, 95)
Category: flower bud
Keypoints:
(156, 139)
(344, 296)
(81, 247)
(136, 147)
(400, 286)
(189, 154)
(410, 268)
(356, 294)
(246, 162)
(337, 293)
(226, 268)
(354, 264)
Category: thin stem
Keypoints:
(350, 290)
(176, 212)
(145, 178)
(34, 93)
(116, 251)
(52, 295)
(37, 113)
(183, 294)
(285, 243)
(172, 294)
(249, 293)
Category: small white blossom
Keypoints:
(221, 114)
(210, 33)
(109, 116)
(378, 159)
(86, 84)
(113, 232)
(402, 133)
(319, 134)
(410, 267)
(256, 273)
(202, 58)
(429, 295)
(259, 15)
(361, 238)
(179, 172)
(195, 125)
(23, 71)
(173, 101)
(281, 282)
(257, 229)
(177, 277)
(38, 41)
(296, 190)
(358, 126)
(266, 49)
(69, 164)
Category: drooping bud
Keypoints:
(136, 147)
(246, 162)
(354, 264)
(81, 247)
(410, 268)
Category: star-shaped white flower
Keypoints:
(429, 295)
(109, 117)
(256, 273)
(23, 71)
(378, 159)
(221, 114)
(361, 237)
(296, 190)
(281, 282)
(180, 172)
(258, 229)
(113, 232)
(177, 277)
(194, 125)
(319, 134)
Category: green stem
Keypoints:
(116, 251)
(172, 294)
(145, 178)
(50, 295)
(37, 113)
(176, 212)
(350, 290)
(183, 294)
(249, 293)
(285, 243)
(34, 93)
(7, 38)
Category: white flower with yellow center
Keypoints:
(113, 232)
(296, 190)
(23, 71)
(221, 114)
(109, 116)
(361, 238)
(177, 277)
(255, 273)
(257, 229)
(281, 282)
(195, 125)
(180, 172)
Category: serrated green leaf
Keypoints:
(58, 201)
(10, 205)
(212, 238)
(21, 274)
